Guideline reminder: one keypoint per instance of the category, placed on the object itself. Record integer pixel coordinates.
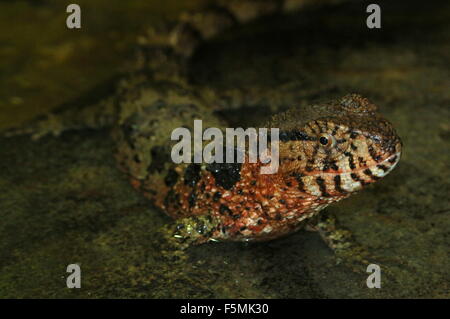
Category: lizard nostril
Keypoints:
(376, 139)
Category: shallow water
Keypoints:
(63, 201)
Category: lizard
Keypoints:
(328, 151)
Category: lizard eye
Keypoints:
(327, 140)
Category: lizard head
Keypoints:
(337, 147)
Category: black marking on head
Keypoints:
(351, 161)
(382, 167)
(323, 188)
(361, 160)
(368, 172)
(320, 127)
(286, 136)
(356, 178)
(312, 128)
(392, 160)
(226, 175)
(192, 174)
(301, 184)
(353, 134)
(353, 147)
(340, 141)
(171, 178)
(328, 152)
(314, 154)
(328, 162)
(334, 166)
(336, 128)
(373, 154)
(337, 185)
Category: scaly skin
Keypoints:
(327, 151)
(233, 201)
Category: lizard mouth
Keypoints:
(387, 165)
(376, 170)
(383, 167)
(357, 180)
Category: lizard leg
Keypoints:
(187, 231)
(350, 253)
(341, 241)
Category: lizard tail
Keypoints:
(162, 55)
(164, 49)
